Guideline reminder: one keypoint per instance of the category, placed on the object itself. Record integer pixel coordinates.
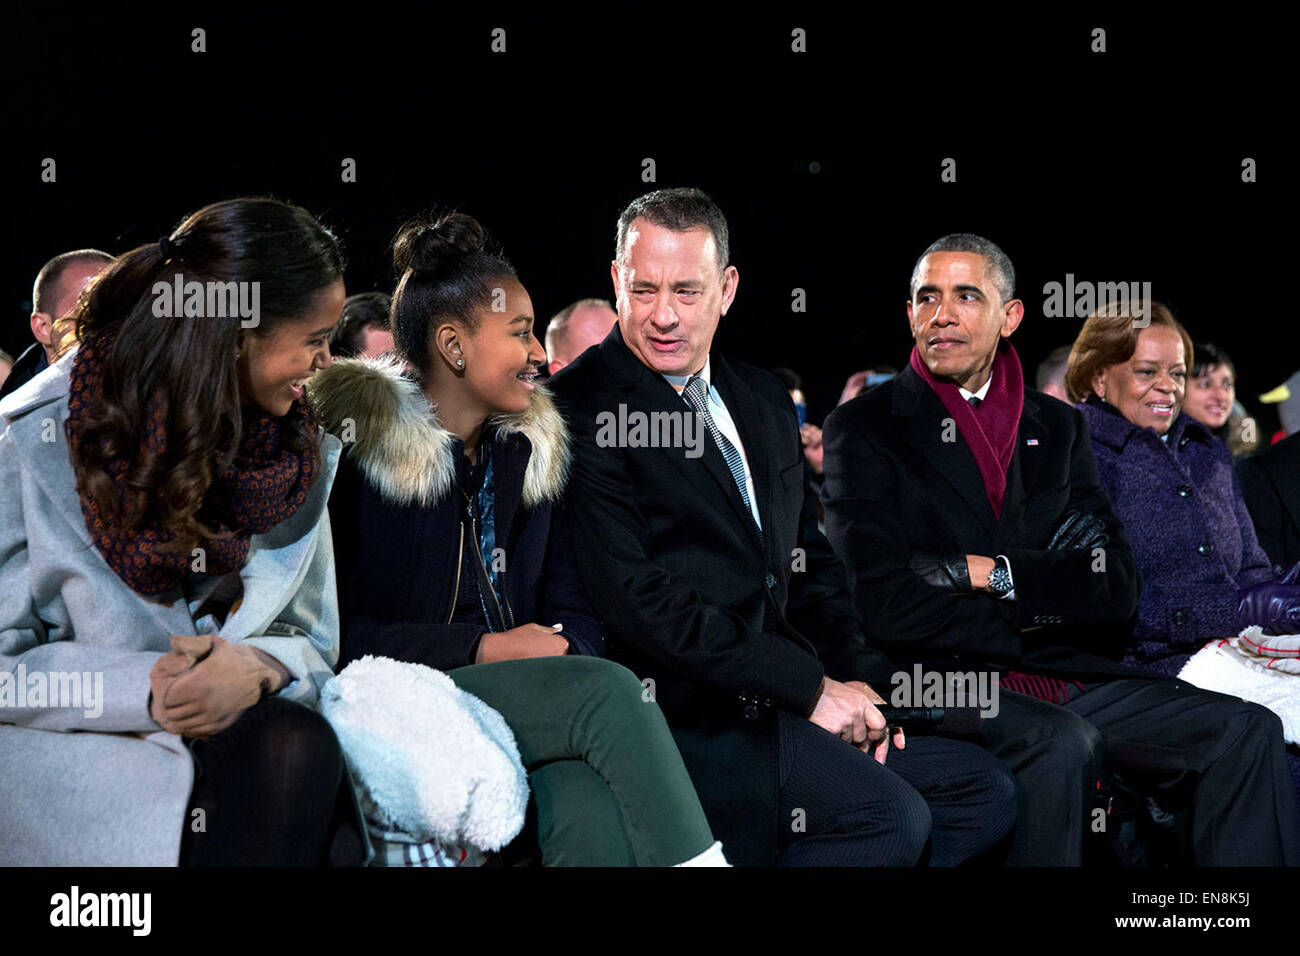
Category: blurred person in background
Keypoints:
(1287, 399)
(1050, 377)
(55, 295)
(1270, 483)
(363, 330)
(1211, 399)
(809, 434)
(576, 328)
(859, 382)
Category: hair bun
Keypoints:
(424, 244)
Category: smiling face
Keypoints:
(957, 317)
(671, 296)
(273, 367)
(1210, 395)
(1148, 388)
(502, 355)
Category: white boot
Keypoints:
(710, 857)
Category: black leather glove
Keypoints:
(948, 573)
(1273, 605)
(1079, 530)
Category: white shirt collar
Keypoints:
(679, 381)
(984, 390)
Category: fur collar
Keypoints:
(402, 450)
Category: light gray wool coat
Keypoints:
(112, 788)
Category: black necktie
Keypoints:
(974, 401)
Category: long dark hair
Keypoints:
(447, 270)
(181, 370)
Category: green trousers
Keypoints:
(609, 785)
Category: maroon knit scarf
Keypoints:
(990, 430)
(263, 486)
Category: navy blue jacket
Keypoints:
(396, 514)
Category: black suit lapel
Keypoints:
(747, 415)
(647, 391)
(925, 429)
(1026, 461)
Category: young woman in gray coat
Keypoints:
(167, 599)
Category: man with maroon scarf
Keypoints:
(977, 535)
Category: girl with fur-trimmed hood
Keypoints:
(453, 552)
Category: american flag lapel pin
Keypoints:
(1031, 441)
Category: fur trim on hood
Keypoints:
(404, 452)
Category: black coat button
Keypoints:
(770, 580)
(1184, 491)
(1180, 618)
(1206, 548)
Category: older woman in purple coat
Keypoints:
(1172, 483)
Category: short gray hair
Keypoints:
(1052, 368)
(48, 285)
(557, 328)
(676, 209)
(1004, 274)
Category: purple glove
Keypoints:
(1274, 605)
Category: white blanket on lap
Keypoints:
(434, 762)
(1256, 667)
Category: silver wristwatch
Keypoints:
(1000, 577)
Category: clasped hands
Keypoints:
(204, 683)
(848, 710)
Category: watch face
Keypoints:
(1000, 580)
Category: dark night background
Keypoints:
(1116, 167)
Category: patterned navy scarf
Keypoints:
(264, 485)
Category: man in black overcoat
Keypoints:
(968, 511)
(697, 540)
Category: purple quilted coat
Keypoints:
(1189, 527)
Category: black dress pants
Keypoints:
(1219, 756)
(937, 801)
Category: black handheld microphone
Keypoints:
(962, 721)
